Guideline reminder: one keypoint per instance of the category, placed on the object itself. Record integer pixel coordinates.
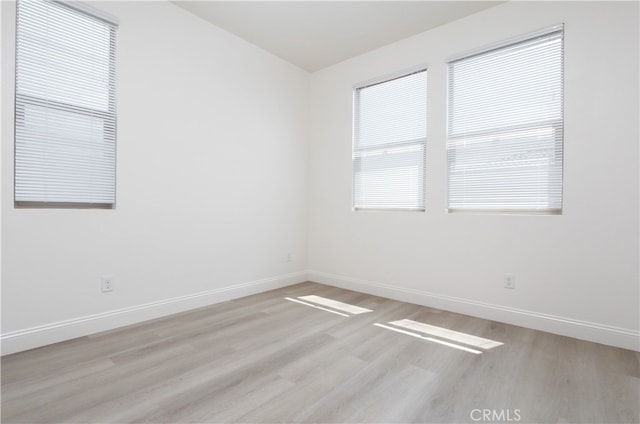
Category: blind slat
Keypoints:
(505, 128)
(65, 147)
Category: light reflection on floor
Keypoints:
(430, 339)
(334, 304)
(419, 330)
(445, 333)
(317, 307)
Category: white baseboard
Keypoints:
(593, 332)
(20, 340)
(17, 341)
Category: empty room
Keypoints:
(320, 211)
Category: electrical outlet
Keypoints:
(509, 281)
(107, 283)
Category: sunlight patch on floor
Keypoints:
(317, 307)
(430, 339)
(445, 333)
(334, 304)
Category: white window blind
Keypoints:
(65, 122)
(504, 148)
(389, 146)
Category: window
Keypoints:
(505, 129)
(389, 143)
(65, 112)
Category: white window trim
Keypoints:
(355, 114)
(112, 21)
(487, 49)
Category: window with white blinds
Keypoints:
(65, 106)
(505, 127)
(389, 145)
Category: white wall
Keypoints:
(211, 185)
(214, 169)
(575, 274)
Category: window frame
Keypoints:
(554, 124)
(405, 143)
(23, 100)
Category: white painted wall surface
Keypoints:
(216, 184)
(211, 184)
(578, 269)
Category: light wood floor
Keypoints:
(264, 359)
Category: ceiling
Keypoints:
(317, 34)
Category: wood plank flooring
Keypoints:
(265, 359)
